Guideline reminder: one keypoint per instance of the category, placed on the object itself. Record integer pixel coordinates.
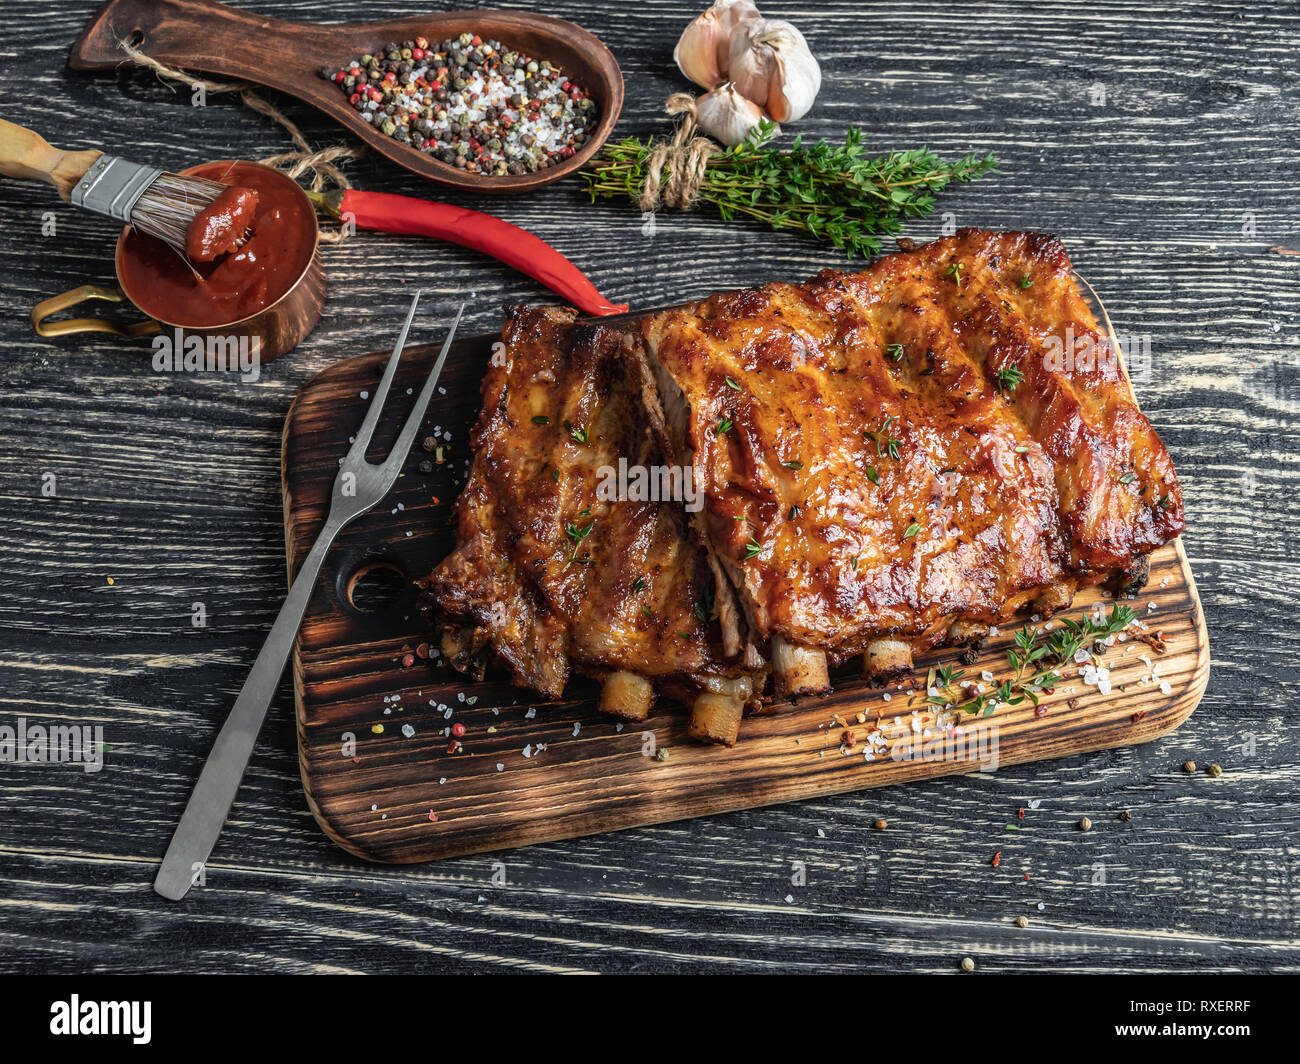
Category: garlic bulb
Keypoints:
(770, 63)
(726, 116)
(704, 50)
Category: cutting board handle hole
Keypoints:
(136, 37)
(374, 586)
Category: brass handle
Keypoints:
(71, 298)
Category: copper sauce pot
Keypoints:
(277, 328)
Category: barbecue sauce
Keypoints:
(235, 284)
(219, 227)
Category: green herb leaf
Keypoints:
(1008, 378)
(833, 192)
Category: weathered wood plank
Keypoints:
(170, 485)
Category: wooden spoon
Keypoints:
(208, 37)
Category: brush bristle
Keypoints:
(170, 204)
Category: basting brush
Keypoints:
(156, 202)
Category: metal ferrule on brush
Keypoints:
(113, 186)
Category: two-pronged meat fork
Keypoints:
(359, 486)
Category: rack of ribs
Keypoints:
(553, 570)
(888, 461)
(900, 458)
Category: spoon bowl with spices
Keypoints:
(489, 101)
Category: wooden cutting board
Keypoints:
(371, 729)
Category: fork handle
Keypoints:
(214, 794)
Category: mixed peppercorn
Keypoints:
(469, 104)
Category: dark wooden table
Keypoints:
(1158, 140)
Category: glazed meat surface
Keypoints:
(944, 436)
(552, 570)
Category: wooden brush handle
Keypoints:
(25, 154)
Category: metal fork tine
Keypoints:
(367, 430)
(402, 447)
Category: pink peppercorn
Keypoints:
(408, 660)
(458, 729)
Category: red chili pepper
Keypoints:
(517, 248)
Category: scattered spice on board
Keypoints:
(1085, 824)
(997, 859)
(1022, 921)
(1125, 815)
(1215, 770)
(967, 965)
(470, 103)
(1189, 767)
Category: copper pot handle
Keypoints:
(71, 298)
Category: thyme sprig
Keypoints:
(576, 535)
(1033, 664)
(831, 192)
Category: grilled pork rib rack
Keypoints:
(890, 461)
(550, 574)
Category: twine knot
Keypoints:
(684, 159)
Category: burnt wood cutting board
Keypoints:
(372, 731)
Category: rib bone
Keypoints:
(798, 670)
(626, 695)
(885, 659)
(715, 718)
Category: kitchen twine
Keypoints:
(686, 158)
(321, 164)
